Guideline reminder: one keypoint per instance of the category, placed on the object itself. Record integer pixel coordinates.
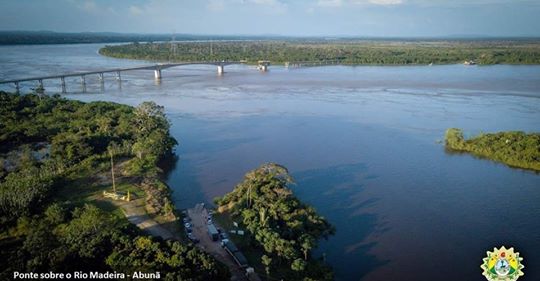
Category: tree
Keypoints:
(307, 243)
(266, 261)
(150, 116)
(298, 265)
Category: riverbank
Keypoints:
(57, 210)
(346, 52)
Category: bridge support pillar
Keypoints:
(157, 74)
(17, 87)
(40, 83)
(101, 82)
(118, 77)
(63, 84)
(220, 69)
(83, 83)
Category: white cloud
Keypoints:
(219, 5)
(134, 10)
(341, 3)
(215, 5)
(88, 6)
(386, 2)
(376, 2)
(329, 3)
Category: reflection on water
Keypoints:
(363, 144)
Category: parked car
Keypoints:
(186, 220)
(223, 236)
(187, 225)
(189, 230)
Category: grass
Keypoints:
(86, 186)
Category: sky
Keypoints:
(371, 18)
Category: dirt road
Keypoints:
(198, 217)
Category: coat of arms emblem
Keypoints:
(502, 265)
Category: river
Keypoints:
(363, 144)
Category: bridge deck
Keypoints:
(146, 67)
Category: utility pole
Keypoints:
(112, 170)
(173, 45)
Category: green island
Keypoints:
(348, 52)
(516, 149)
(281, 230)
(57, 158)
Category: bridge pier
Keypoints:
(220, 69)
(83, 83)
(17, 87)
(157, 74)
(101, 82)
(118, 77)
(40, 83)
(63, 84)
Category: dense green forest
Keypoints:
(380, 52)
(52, 150)
(516, 149)
(286, 229)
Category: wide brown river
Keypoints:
(363, 144)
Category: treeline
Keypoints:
(516, 149)
(286, 229)
(50, 143)
(347, 52)
(50, 37)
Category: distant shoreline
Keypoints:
(314, 53)
(52, 38)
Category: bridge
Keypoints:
(157, 68)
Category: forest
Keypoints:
(348, 52)
(514, 148)
(281, 226)
(52, 150)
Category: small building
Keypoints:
(263, 65)
(212, 231)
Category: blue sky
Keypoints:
(381, 18)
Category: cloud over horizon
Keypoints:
(281, 17)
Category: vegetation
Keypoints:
(516, 149)
(49, 37)
(381, 52)
(280, 225)
(52, 152)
